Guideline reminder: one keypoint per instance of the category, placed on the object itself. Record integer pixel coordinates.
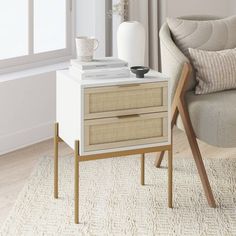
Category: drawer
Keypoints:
(128, 99)
(124, 131)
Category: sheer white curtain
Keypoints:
(147, 13)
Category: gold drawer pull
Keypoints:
(128, 116)
(128, 85)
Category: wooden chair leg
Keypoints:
(159, 159)
(174, 109)
(196, 153)
(179, 107)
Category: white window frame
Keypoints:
(45, 58)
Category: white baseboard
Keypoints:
(27, 137)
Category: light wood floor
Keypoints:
(16, 167)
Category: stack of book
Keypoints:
(104, 68)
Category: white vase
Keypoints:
(131, 43)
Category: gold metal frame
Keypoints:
(79, 159)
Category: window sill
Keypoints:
(32, 72)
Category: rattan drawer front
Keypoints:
(125, 99)
(125, 131)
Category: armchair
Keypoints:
(210, 118)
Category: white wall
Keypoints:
(27, 111)
(85, 18)
(91, 22)
(233, 7)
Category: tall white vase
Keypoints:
(131, 43)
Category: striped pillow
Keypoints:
(215, 71)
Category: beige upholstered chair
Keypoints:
(210, 118)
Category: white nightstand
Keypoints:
(112, 118)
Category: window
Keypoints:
(33, 31)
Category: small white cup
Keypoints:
(85, 48)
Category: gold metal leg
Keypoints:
(76, 182)
(56, 161)
(170, 178)
(142, 169)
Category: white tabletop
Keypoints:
(151, 77)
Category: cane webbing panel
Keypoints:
(119, 131)
(123, 100)
(123, 131)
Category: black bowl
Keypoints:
(140, 71)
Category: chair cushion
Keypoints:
(215, 71)
(213, 117)
(211, 35)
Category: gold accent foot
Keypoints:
(142, 169)
(170, 179)
(76, 182)
(56, 161)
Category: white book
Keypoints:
(101, 63)
(100, 73)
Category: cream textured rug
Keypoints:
(112, 201)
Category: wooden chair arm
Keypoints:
(180, 91)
